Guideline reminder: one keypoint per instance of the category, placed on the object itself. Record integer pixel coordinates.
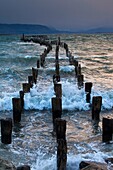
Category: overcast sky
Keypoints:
(61, 14)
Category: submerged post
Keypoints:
(35, 74)
(26, 87)
(17, 109)
(23, 167)
(96, 107)
(38, 63)
(30, 81)
(58, 89)
(88, 86)
(56, 110)
(62, 144)
(6, 131)
(57, 52)
(107, 129)
(80, 79)
(22, 98)
(56, 78)
(61, 154)
(60, 129)
(57, 67)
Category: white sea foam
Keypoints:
(72, 98)
(67, 69)
(73, 161)
(28, 56)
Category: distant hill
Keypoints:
(100, 30)
(26, 29)
(96, 30)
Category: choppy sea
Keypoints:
(32, 140)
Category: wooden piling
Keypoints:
(76, 68)
(23, 167)
(80, 79)
(61, 154)
(66, 48)
(79, 69)
(34, 74)
(30, 81)
(56, 110)
(58, 89)
(26, 87)
(75, 63)
(59, 41)
(88, 86)
(57, 67)
(49, 48)
(22, 98)
(88, 97)
(38, 63)
(17, 109)
(96, 107)
(57, 52)
(6, 131)
(56, 78)
(60, 129)
(107, 129)
(71, 58)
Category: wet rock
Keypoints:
(109, 160)
(4, 164)
(92, 166)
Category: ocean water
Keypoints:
(32, 140)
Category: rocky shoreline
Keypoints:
(84, 165)
(4, 164)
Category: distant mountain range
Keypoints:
(100, 30)
(26, 29)
(42, 29)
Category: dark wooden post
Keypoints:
(17, 109)
(38, 63)
(80, 79)
(71, 58)
(57, 52)
(30, 81)
(56, 110)
(57, 67)
(49, 48)
(58, 89)
(24, 167)
(60, 129)
(22, 98)
(79, 69)
(66, 48)
(35, 74)
(107, 129)
(88, 86)
(76, 68)
(96, 107)
(61, 154)
(6, 131)
(56, 78)
(26, 87)
(59, 41)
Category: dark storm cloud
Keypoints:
(68, 14)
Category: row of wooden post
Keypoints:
(18, 105)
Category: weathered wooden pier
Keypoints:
(59, 125)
